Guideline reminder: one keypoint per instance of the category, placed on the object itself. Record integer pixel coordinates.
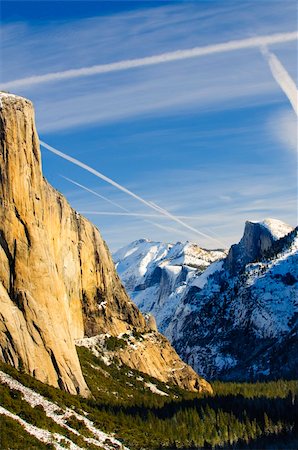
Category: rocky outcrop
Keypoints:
(257, 242)
(150, 353)
(57, 279)
(150, 321)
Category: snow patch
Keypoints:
(153, 388)
(42, 435)
(277, 228)
(202, 279)
(97, 345)
(60, 415)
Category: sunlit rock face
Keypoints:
(57, 279)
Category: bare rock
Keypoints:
(57, 279)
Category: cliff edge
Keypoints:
(58, 283)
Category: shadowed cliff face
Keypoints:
(257, 242)
(57, 280)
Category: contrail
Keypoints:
(143, 215)
(178, 220)
(282, 77)
(97, 194)
(124, 189)
(126, 213)
(155, 59)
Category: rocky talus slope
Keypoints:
(57, 279)
(150, 353)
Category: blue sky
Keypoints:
(212, 140)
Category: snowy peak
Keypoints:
(135, 260)
(277, 228)
(229, 316)
(258, 241)
(139, 259)
(156, 275)
(191, 255)
(246, 302)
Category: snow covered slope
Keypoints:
(242, 322)
(234, 317)
(156, 275)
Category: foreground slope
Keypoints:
(145, 414)
(57, 279)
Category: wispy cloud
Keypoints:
(91, 191)
(216, 114)
(126, 213)
(100, 175)
(130, 214)
(255, 193)
(214, 82)
(282, 77)
(283, 125)
(159, 59)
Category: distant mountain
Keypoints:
(157, 275)
(235, 318)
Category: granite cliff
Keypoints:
(58, 283)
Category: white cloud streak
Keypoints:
(126, 213)
(282, 77)
(103, 177)
(96, 194)
(137, 214)
(240, 44)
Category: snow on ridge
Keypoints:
(129, 252)
(8, 94)
(40, 434)
(10, 97)
(156, 275)
(153, 388)
(60, 416)
(277, 228)
(97, 345)
(173, 270)
(201, 280)
(148, 258)
(266, 291)
(134, 260)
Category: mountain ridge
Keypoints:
(218, 312)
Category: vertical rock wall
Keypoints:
(57, 279)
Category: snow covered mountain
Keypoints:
(157, 275)
(233, 316)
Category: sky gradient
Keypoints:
(212, 140)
